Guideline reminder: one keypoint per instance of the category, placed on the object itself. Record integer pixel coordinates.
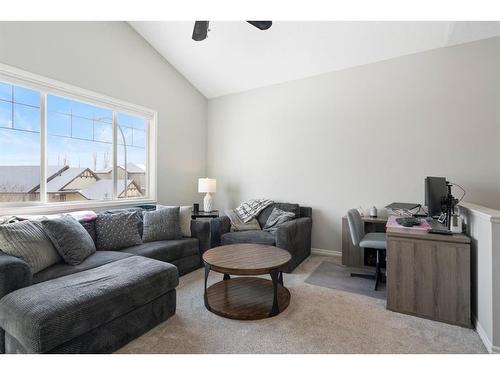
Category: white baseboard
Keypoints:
(483, 336)
(485, 339)
(326, 252)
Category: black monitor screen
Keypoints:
(435, 190)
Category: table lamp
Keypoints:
(207, 185)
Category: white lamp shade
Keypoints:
(207, 185)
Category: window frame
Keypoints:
(47, 86)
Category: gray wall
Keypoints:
(112, 59)
(363, 136)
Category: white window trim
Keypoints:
(49, 86)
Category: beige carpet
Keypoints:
(318, 320)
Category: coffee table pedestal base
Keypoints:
(246, 298)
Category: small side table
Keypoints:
(204, 215)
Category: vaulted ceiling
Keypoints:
(237, 57)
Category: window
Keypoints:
(94, 149)
(79, 151)
(132, 131)
(19, 144)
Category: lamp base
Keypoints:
(207, 203)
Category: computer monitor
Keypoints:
(435, 190)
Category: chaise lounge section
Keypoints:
(93, 311)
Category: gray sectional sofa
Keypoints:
(99, 305)
(293, 236)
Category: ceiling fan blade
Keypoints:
(262, 25)
(200, 30)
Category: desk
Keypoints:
(355, 256)
(428, 275)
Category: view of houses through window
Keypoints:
(79, 149)
(19, 144)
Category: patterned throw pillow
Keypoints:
(27, 240)
(162, 224)
(276, 219)
(138, 210)
(70, 238)
(117, 231)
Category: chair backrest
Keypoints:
(356, 226)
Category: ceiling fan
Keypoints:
(200, 29)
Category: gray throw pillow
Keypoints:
(117, 231)
(162, 224)
(70, 238)
(27, 240)
(277, 218)
(89, 226)
(185, 218)
(138, 210)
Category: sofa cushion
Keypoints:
(162, 224)
(14, 274)
(69, 237)
(249, 236)
(27, 240)
(166, 251)
(97, 259)
(56, 311)
(117, 231)
(290, 207)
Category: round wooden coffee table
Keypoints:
(246, 298)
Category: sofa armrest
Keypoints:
(201, 231)
(218, 227)
(295, 236)
(14, 274)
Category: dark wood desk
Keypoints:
(428, 275)
(355, 256)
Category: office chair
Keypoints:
(370, 240)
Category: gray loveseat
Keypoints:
(99, 305)
(293, 236)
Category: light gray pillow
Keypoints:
(70, 238)
(162, 224)
(276, 219)
(118, 230)
(27, 240)
(237, 225)
(185, 218)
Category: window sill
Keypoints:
(54, 208)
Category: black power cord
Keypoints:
(461, 188)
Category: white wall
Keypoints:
(483, 226)
(363, 136)
(112, 59)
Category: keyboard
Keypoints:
(408, 221)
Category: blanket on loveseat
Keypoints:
(251, 208)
